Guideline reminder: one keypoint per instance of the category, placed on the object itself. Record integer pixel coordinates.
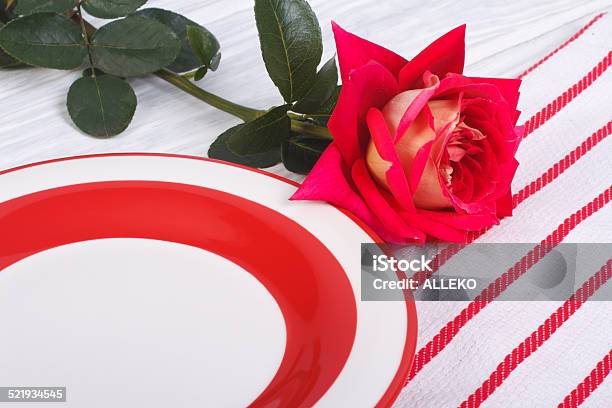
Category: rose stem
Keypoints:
(242, 112)
(310, 129)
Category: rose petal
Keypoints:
(444, 112)
(328, 182)
(453, 83)
(379, 205)
(354, 51)
(394, 175)
(425, 155)
(468, 184)
(433, 228)
(519, 131)
(415, 107)
(504, 205)
(425, 181)
(446, 54)
(508, 87)
(455, 153)
(371, 85)
(506, 175)
(419, 163)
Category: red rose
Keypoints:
(420, 151)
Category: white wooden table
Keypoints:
(504, 38)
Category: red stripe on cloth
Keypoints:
(536, 185)
(562, 165)
(589, 384)
(538, 337)
(562, 100)
(452, 328)
(559, 48)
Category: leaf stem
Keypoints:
(86, 38)
(242, 112)
(305, 128)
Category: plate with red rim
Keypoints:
(171, 280)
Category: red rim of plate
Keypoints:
(402, 372)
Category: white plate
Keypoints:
(134, 312)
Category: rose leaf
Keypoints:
(263, 134)
(219, 150)
(187, 59)
(300, 153)
(291, 44)
(200, 73)
(134, 46)
(45, 40)
(324, 86)
(205, 46)
(101, 106)
(26, 7)
(112, 8)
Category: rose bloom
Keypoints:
(420, 151)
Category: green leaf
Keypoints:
(300, 153)
(263, 134)
(25, 7)
(134, 46)
(102, 106)
(200, 73)
(186, 60)
(322, 116)
(205, 46)
(291, 44)
(219, 150)
(6, 61)
(46, 40)
(324, 86)
(112, 8)
(329, 106)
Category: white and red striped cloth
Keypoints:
(538, 354)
